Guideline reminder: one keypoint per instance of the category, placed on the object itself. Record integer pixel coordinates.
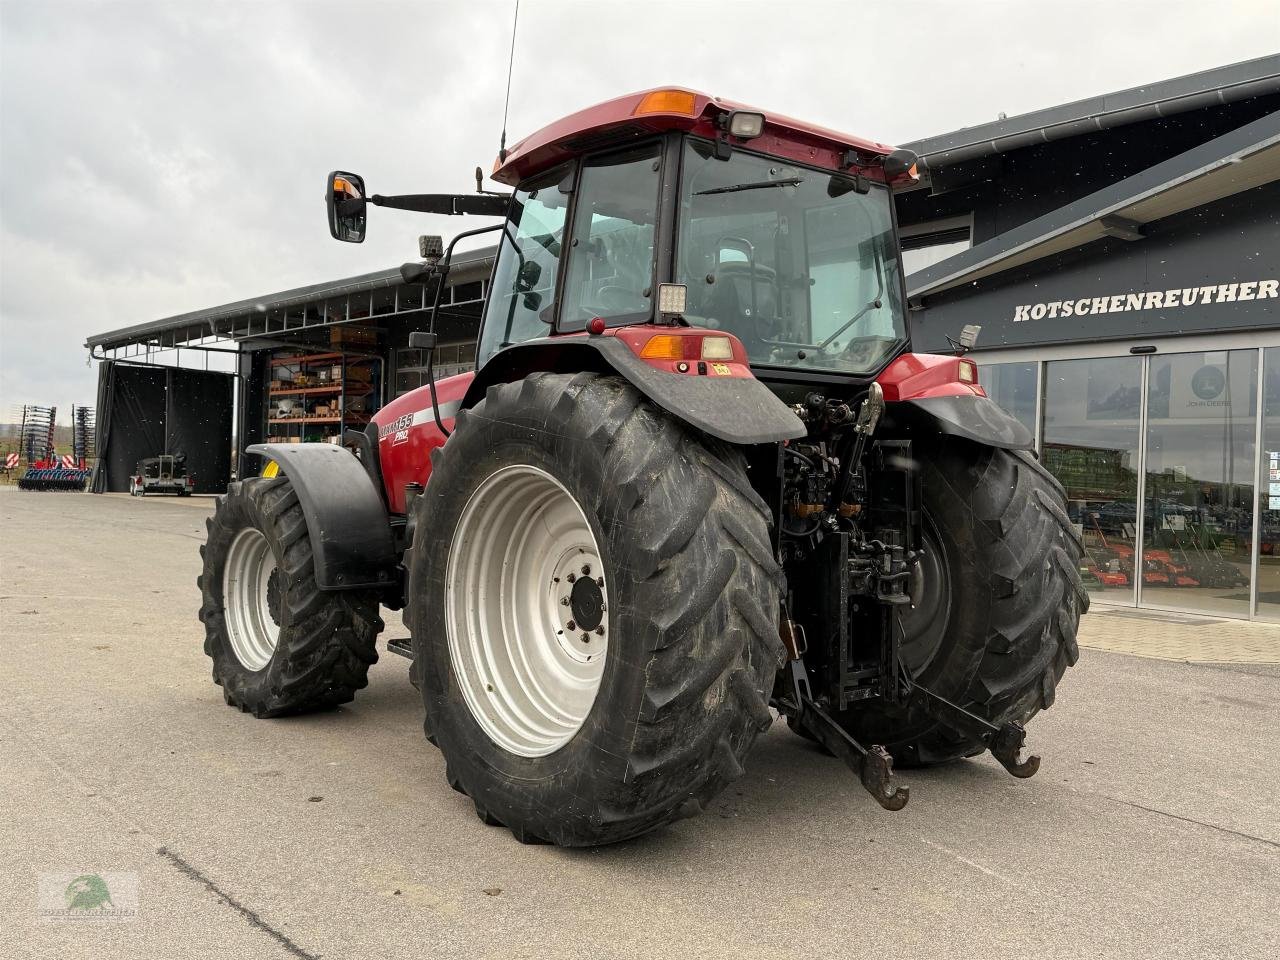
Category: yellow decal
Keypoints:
(721, 370)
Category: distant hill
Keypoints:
(9, 437)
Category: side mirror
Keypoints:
(529, 275)
(900, 162)
(345, 198)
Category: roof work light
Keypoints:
(745, 125)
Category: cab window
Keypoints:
(521, 303)
(609, 272)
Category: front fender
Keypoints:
(738, 410)
(346, 518)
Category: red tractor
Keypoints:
(697, 477)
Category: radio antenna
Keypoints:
(502, 144)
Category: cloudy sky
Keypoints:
(162, 157)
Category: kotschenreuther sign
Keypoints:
(1149, 300)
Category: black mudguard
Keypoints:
(975, 418)
(734, 409)
(346, 518)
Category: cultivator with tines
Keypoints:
(47, 471)
(83, 434)
(35, 435)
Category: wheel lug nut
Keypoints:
(564, 601)
(600, 630)
(586, 638)
(586, 569)
(571, 625)
(600, 582)
(571, 578)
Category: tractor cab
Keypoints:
(774, 231)
(671, 207)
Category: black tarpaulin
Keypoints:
(147, 411)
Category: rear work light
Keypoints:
(672, 298)
(968, 372)
(744, 125)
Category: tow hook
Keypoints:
(1005, 741)
(873, 765)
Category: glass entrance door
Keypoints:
(1199, 481)
(1092, 432)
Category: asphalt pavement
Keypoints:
(1152, 829)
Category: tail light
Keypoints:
(671, 346)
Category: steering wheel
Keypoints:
(612, 300)
(865, 351)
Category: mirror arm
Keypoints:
(442, 271)
(447, 204)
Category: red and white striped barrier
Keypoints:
(11, 461)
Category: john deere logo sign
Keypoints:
(1207, 383)
(89, 896)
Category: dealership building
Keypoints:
(1121, 255)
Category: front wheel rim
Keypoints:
(526, 610)
(250, 592)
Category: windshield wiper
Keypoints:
(875, 304)
(756, 185)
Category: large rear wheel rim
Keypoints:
(526, 610)
(249, 585)
(926, 621)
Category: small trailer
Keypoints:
(164, 474)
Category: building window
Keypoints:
(450, 359)
(925, 244)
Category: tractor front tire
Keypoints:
(993, 627)
(279, 644)
(593, 601)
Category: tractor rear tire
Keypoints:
(546, 484)
(279, 644)
(994, 626)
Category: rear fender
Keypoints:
(346, 517)
(943, 393)
(975, 418)
(738, 410)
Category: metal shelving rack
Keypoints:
(340, 390)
